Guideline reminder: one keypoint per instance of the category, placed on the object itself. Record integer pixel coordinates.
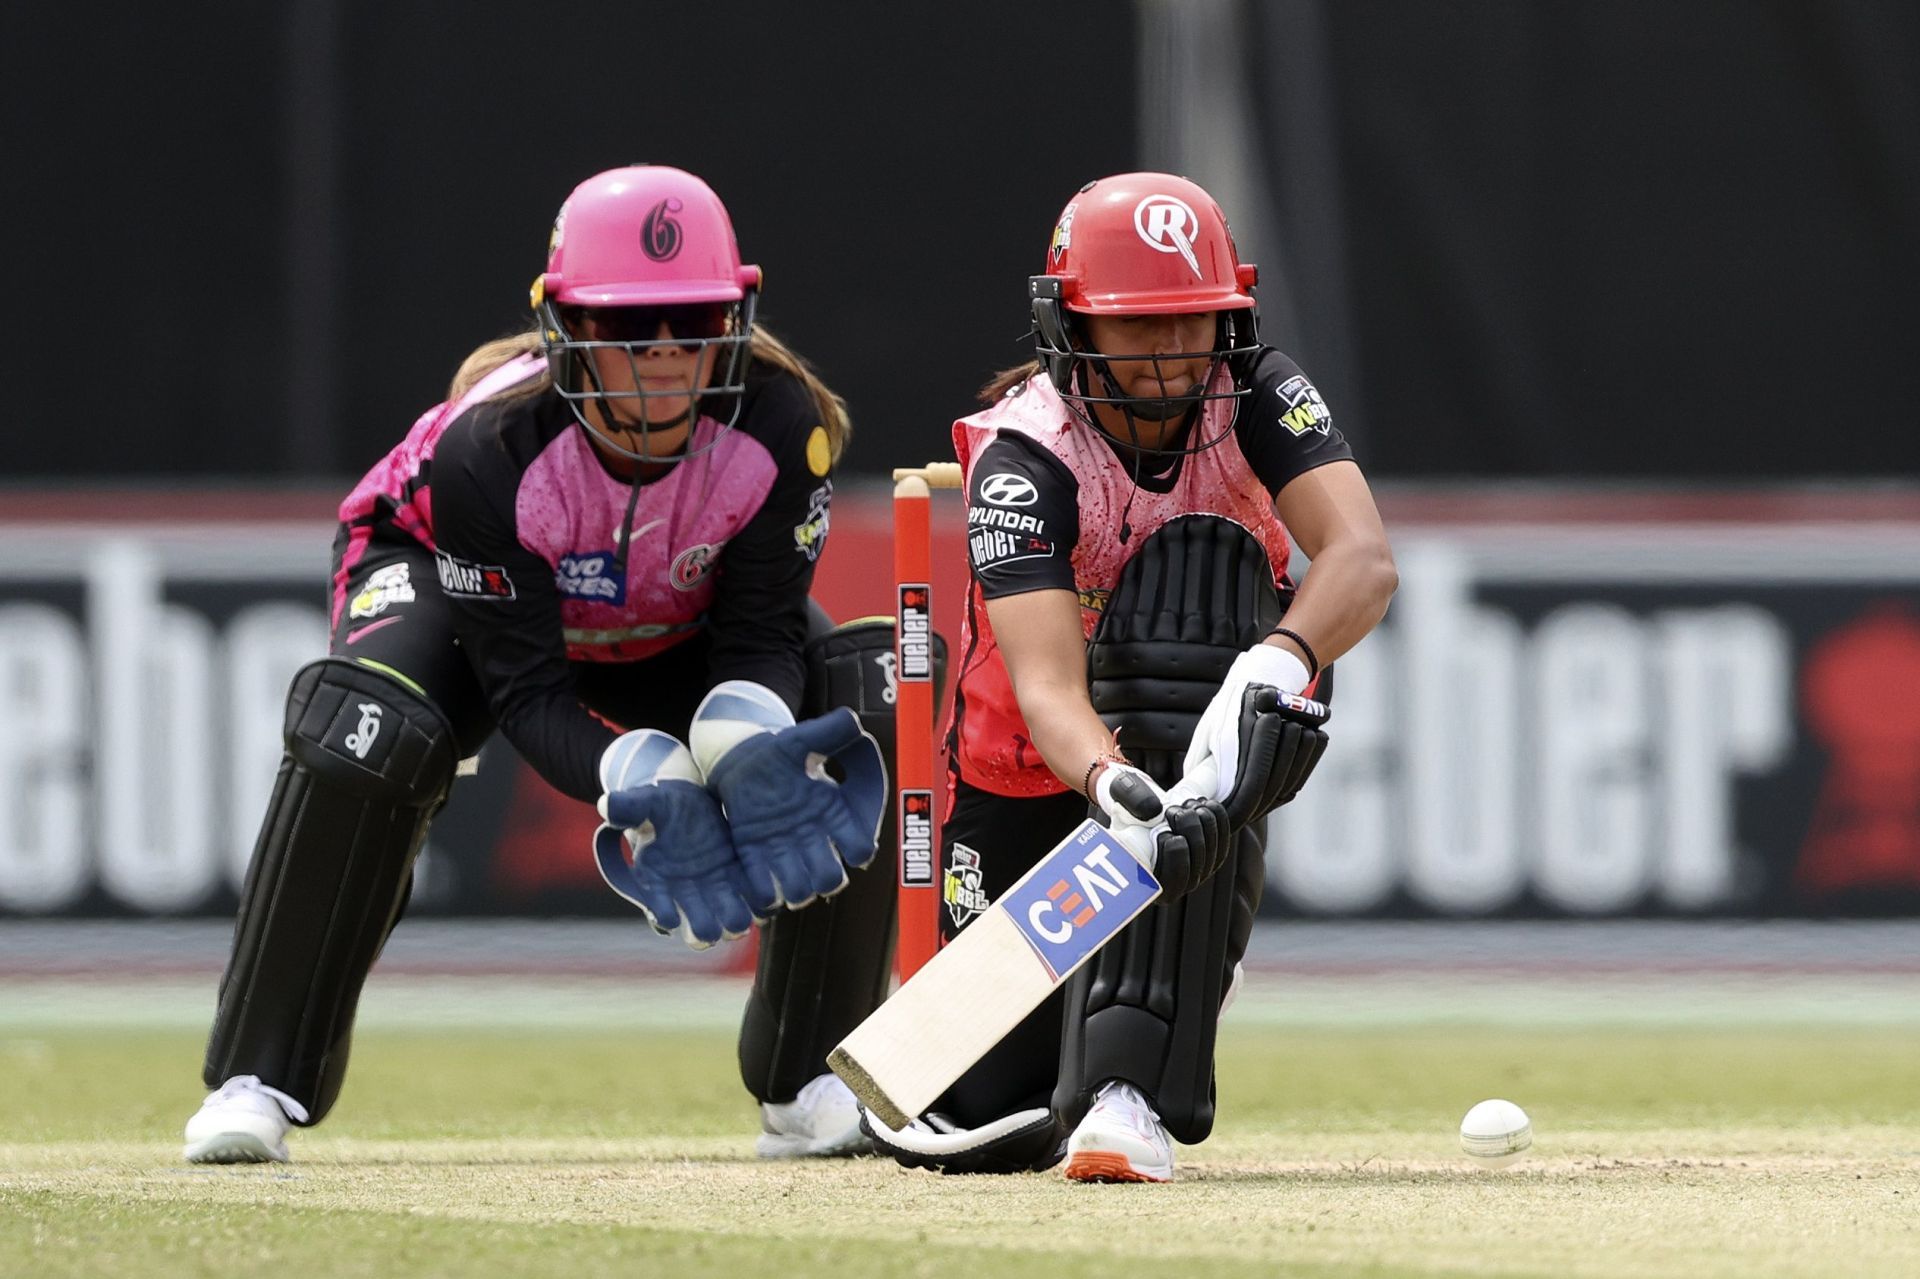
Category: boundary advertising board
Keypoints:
(1557, 719)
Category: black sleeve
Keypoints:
(506, 613)
(1285, 430)
(758, 620)
(1023, 519)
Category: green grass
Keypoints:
(482, 1153)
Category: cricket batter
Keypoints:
(1129, 499)
(603, 538)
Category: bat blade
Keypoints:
(1001, 967)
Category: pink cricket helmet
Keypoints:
(648, 234)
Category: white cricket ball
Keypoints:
(1495, 1133)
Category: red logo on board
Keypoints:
(1861, 690)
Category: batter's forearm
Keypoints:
(1343, 597)
(1066, 731)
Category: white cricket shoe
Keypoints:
(242, 1122)
(1121, 1139)
(823, 1121)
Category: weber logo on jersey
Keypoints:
(1305, 411)
(996, 536)
(591, 575)
(916, 839)
(467, 580)
(1086, 891)
(987, 547)
(915, 621)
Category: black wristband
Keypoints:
(1313, 663)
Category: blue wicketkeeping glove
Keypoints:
(797, 830)
(684, 872)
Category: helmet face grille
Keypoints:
(571, 360)
(1082, 377)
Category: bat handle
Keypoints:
(1144, 841)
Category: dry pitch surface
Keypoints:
(1668, 1145)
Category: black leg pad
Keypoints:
(824, 968)
(368, 762)
(1147, 1008)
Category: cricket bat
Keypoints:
(979, 986)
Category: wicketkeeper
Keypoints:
(612, 520)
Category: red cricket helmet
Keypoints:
(1142, 244)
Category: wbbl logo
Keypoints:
(916, 839)
(1085, 892)
(915, 621)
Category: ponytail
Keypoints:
(768, 349)
(489, 356)
(1006, 379)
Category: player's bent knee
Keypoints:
(369, 733)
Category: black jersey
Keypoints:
(525, 522)
(1282, 427)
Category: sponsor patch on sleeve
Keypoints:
(387, 585)
(1305, 410)
(998, 536)
(819, 451)
(810, 535)
(465, 579)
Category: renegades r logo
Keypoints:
(660, 236)
(915, 622)
(916, 839)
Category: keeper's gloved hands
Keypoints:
(796, 828)
(1192, 839)
(1217, 736)
(684, 872)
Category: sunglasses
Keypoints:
(687, 321)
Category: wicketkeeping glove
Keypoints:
(684, 872)
(796, 828)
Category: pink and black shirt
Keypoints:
(524, 523)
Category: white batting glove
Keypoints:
(1217, 736)
(1138, 803)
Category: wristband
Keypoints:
(1313, 663)
(1086, 779)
